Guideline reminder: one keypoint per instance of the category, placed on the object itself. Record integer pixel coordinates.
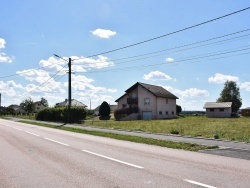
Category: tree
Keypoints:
(178, 109)
(44, 102)
(28, 105)
(231, 93)
(104, 110)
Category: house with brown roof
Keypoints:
(218, 109)
(151, 102)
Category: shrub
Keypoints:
(174, 131)
(104, 110)
(216, 136)
(123, 112)
(61, 114)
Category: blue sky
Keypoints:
(32, 31)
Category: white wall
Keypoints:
(217, 113)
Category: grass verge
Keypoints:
(137, 139)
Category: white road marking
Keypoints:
(116, 160)
(31, 133)
(16, 128)
(198, 183)
(56, 141)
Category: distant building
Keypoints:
(38, 106)
(112, 109)
(17, 109)
(218, 109)
(74, 102)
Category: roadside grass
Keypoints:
(137, 139)
(237, 129)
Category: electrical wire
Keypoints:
(45, 81)
(17, 74)
(178, 47)
(168, 34)
(191, 58)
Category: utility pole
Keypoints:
(0, 99)
(69, 91)
(69, 85)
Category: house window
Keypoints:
(166, 101)
(160, 113)
(172, 112)
(146, 101)
(133, 95)
(166, 112)
(211, 109)
(221, 109)
(124, 105)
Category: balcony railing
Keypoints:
(132, 100)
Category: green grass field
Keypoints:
(224, 128)
(237, 129)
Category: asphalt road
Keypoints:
(33, 156)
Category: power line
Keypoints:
(11, 75)
(45, 81)
(191, 44)
(178, 47)
(191, 58)
(178, 31)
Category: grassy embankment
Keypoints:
(137, 139)
(224, 128)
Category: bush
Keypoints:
(104, 110)
(174, 131)
(216, 136)
(123, 112)
(77, 114)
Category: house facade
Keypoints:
(218, 109)
(38, 106)
(152, 102)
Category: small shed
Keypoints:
(218, 109)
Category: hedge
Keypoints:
(77, 114)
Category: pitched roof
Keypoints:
(74, 102)
(156, 90)
(218, 105)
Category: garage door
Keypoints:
(147, 115)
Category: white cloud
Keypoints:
(188, 93)
(103, 33)
(221, 78)
(156, 75)
(9, 88)
(3, 57)
(245, 85)
(169, 59)
(2, 43)
(82, 83)
(99, 63)
(39, 76)
(54, 65)
(79, 64)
